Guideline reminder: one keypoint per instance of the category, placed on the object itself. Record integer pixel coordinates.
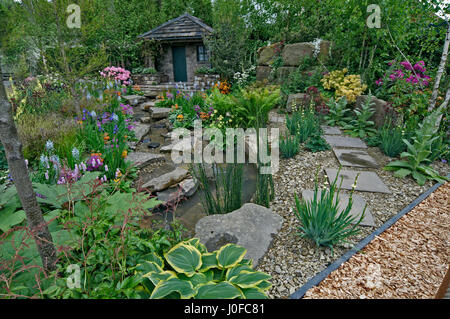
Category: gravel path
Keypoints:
(409, 260)
(292, 260)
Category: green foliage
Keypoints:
(303, 124)
(360, 125)
(223, 194)
(144, 70)
(321, 218)
(188, 271)
(316, 143)
(3, 160)
(265, 187)
(338, 112)
(391, 140)
(417, 157)
(205, 70)
(306, 75)
(289, 146)
(9, 204)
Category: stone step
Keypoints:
(166, 180)
(343, 141)
(142, 159)
(331, 130)
(158, 113)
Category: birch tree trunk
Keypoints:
(19, 173)
(440, 71)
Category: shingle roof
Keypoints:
(185, 27)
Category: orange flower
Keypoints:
(124, 154)
(118, 93)
(106, 137)
(80, 122)
(180, 117)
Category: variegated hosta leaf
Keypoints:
(253, 293)
(165, 288)
(230, 255)
(249, 279)
(232, 272)
(222, 290)
(184, 258)
(197, 244)
(196, 280)
(156, 278)
(209, 260)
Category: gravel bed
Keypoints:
(408, 260)
(292, 260)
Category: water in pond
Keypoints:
(189, 211)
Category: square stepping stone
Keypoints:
(355, 158)
(367, 181)
(343, 141)
(331, 130)
(357, 207)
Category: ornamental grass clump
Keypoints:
(289, 146)
(322, 220)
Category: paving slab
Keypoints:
(343, 141)
(357, 207)
(331, 130)
(367, 181)
(355, 158)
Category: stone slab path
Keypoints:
(331, 130)
(357, 207)
(343, 141)
(354, 158)
(367, 181)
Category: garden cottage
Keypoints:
(182, 50)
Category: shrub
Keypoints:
(3, 161)
(188, 271)
(321, 218)
(349, 86)
(316, 143)
(360, 125)
(338, 112)
(417, 157)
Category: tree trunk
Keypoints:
(19, 173)
(440, 71)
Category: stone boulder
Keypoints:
(283, 73)
(298, 99)
(266, 55)
(142, 159)
(378, 105)
(158, 113)
(134, 99)
(263, 72)
(251, 226)
(147, 105)
(166, 180)
(140, 130)
(292, 54)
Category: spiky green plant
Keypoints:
(289, 146)
(391, 140)
(321, 218)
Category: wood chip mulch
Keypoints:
(407, 261)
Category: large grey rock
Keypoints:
(296, 100)
(251, 226)
(140, 130)
(343, 141)
(367, 181)
(354, 158)
(142, 159)
(266, 55)
(158, 113)
(283, 73)
(166, 180)
(133, 99)
(263, 72)
(182, 145)
(356, 211)
(293, 54)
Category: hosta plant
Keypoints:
(416, 159)
(188, 271)
(360, 125)
(322, 220)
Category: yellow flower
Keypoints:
(124, 154)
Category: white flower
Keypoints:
(49, 145)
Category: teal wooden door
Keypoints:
(179, 64)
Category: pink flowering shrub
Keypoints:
(116, 74)
(406, 86)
